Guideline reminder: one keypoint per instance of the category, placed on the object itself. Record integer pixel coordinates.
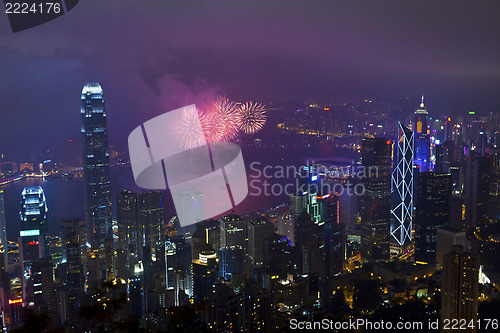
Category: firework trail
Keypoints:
(252, 117)
(189, 132)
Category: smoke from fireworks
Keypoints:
(252, 117)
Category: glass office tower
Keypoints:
(422, 156)
(95, 158)
(402, 188)
(375, 203)
(33, 235)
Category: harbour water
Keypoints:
(65, 197)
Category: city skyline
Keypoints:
(250, 166)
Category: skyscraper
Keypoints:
(433, 212)
(402, 188)
(298, 203)
(129, 234)
(33, 229)
(477, 190)
(70, 229)
(444, 155)
(204, 273)
(422, 142)
(232, 231)
(43, 287)
(34, 213)
(170, 250)
(232, 262)
(259, 228)
(460, 287)
(140, 217)
(150, 208)
(95, 157)
(333, 235)
(75, 274)
(206, 236)
(375, 204)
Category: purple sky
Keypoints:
(167, 54)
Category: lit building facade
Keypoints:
(95, 157)
(402, 188)
(258, 230)
(232, 231)
(432, 212)
(33, 232)
(150, 208)
(34, 213)
(128, 230)
(422, 140)
(375, 203)
(460, 287)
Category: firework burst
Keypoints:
(252, 117)
(189, 132)
(228, 116)
(213, 127)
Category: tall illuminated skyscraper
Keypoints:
(258, 230)
(432, 212)
(460, 287)
(375, 204)
(422, 142)
(95, 157)
(402, 188)
(170, 250)
(150, 209)
(34, 211)
(232, 231)
(128, 229)
(140, 217)
(33, 232)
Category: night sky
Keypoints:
(153, 56)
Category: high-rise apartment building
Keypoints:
(460, 288)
